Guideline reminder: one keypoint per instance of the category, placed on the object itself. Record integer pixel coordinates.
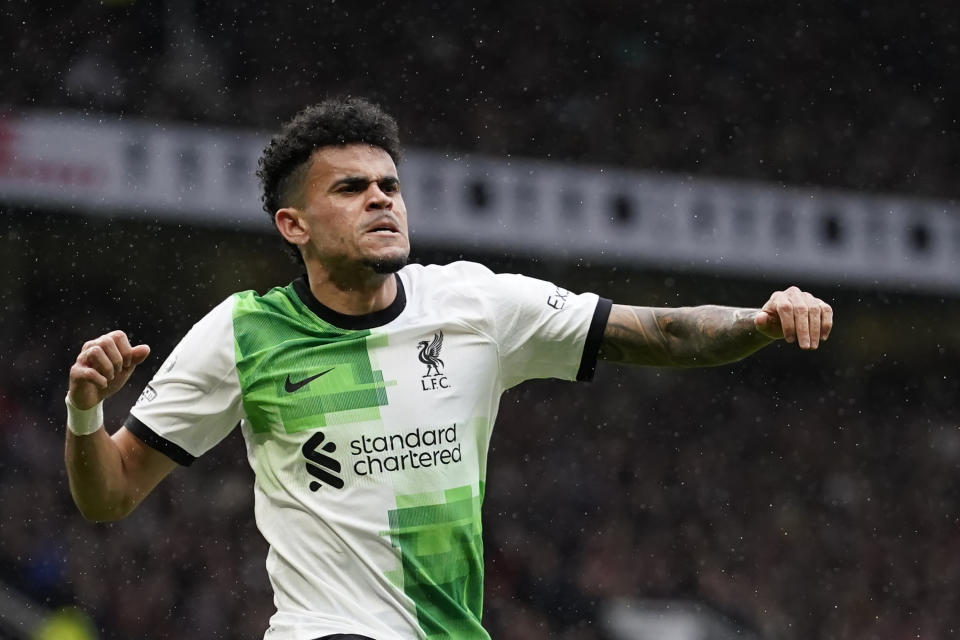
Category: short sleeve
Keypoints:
(194, 400)
(545, 331)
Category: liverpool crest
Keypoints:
(430, 356)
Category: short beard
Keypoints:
(390, 265)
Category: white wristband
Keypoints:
(83, 422)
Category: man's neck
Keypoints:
(357, 295)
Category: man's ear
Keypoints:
(291, 225)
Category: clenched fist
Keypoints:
(103, 366)
(796, 316)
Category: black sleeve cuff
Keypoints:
(591, 348)
(158, 442)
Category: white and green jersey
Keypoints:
(369, 434)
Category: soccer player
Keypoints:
(367, 389)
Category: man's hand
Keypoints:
(796, 316)
(103, 366)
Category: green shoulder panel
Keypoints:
(298, 372)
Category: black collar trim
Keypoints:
(344, 321)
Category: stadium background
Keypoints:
(800, 495)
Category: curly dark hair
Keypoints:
(331, 123)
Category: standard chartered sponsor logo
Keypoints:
(417, 449)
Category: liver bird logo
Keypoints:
(430, 354)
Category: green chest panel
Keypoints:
(298, 372)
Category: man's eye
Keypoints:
(390, 187)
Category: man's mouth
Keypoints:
(384, 227)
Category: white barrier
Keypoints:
(602, 215)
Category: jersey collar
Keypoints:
(344, 321)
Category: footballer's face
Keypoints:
(351, 210)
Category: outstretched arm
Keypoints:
(712, 335)
(109, 476)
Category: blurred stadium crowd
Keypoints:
(806, 497)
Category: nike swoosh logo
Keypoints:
(290, 387)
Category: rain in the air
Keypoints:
(500, 320)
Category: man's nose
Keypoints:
(379, 199)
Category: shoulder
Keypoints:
(280, 314)
(461, 292)
(473, 280)
(278, 306)
(244, 309)
(250, 300)
(457, 283)
(459, 271)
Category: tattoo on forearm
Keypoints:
(680, 337)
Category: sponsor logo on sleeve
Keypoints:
(147, 395)
(558, 300)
